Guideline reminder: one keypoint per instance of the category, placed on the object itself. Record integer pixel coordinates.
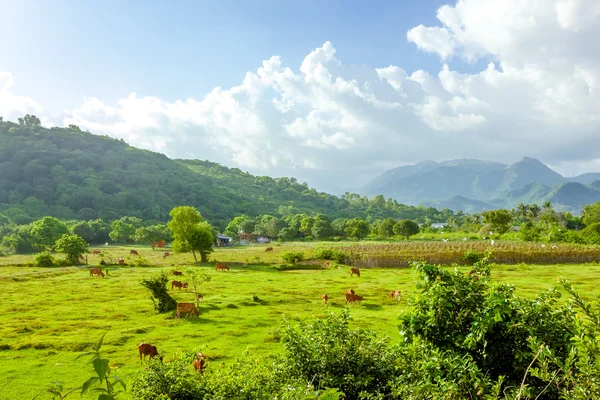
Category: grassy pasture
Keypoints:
(49, 316)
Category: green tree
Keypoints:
(522, 210)
(406, 227)
(123, 230)
(72, 245)
(196, 278)
(234, 227)
(30, 121)
(498, 220)
(356, 228)
(152, 233)
(534, 211)
(47, 231)
(191, 232)
(84, 230)
(321, 227)
(590, 213)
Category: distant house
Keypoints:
(224, 241)
(249, 238)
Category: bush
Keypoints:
(292, 257)
(44, 260)
(161, 298)
(138, 261)
(331, 254)
(471, 257)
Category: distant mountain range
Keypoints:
(475, 185)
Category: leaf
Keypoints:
(88, 383)
(101, 367)
(99, 344)
(106, 397)
(118, 380)
(84, 354)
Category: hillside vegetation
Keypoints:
(71, 174)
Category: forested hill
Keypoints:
(71, 174)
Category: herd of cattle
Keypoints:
(199, 362)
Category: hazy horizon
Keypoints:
(328, 94)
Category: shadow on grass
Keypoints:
(372, 306)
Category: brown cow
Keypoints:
(200, 363)
(353, 298)
(221, 266)
(268, 249)
(325, 298)
(146, 349)
(354, 271)
(166, 254)
(96, 271)
(177, 273)
(95, 252)
(351, 291)
(395, 294)
(133, 252)
(121, 261)
(186, 308)
(179, 284)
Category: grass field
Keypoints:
(49, 316)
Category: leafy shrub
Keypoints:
(331, 254)
(292, 257)
(161, 298)
(471, 257)
(138, 261)
(44, 260)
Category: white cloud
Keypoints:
(11, 105)
(330, 123)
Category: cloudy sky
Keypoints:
(331, 92)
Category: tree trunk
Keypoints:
(194, 253)
(406, 237)
(203, 256)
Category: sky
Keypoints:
(331, 92)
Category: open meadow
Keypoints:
(49, 316)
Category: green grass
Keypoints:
(49, 316)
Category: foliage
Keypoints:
(406, 228)
(472, 257)
(47, 231)
(153, 233)
(292, 257)
(191, 232)
(123, 230)
(329, 352)
(499, 220)
(331, 254)
(529, 232)
(103, 375)
(161, 298)
(73, 246)
(590, 213)
(356, 228)
(44, 260)
(195, 279)
(591, 233)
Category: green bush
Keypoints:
(161, 298)
(471, 257)
(292, 257)
(44, 260)
(331, 254)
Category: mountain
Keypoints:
(475, 185)
(70, 174)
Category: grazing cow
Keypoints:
(95, 252)
(133, 252)
(186, 308)
(177, 273)
(166, 254)
(121, 261)
(146, 349)
(96, 271)
(353, 298)
(395, 294)
(354, 271)
(351, 291)
(200, 363)
(179, 284)
(221, 266)
(268, 249)
(325, 298)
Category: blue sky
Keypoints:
(330, 92)
(62, 51)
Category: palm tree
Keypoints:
(547, 205)
(534, 211)
(522, 210)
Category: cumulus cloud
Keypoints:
(11, 105)
(336, 124)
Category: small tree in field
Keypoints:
(73, 246)
(499, 220)
(195, 279)
(406, 227)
